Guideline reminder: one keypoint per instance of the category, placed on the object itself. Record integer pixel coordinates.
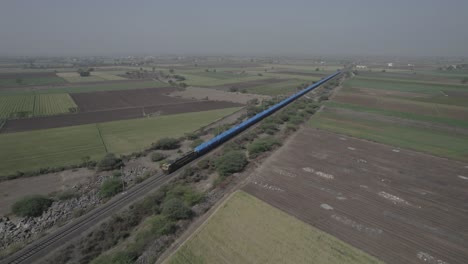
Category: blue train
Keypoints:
(235, 130)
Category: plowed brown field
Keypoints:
(398, 205)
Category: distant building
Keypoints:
(390, 64)
(361, 67)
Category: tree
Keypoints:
(230, 162)
(464, 80)
(317, 69)
(157, 156)
(31, 206)
(171, 71)
(111, 187)
(19, 80)
(166, 143)
(174, 208)
(110, 162)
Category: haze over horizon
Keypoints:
(363, 27)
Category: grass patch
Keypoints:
(401, 85)
(68, 145)
(286, 87)
(201, 79)
(28, 81)
(137, 134)
(247, 230)
(406, 115)
(439, 143)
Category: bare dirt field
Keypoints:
(12, 75)
(18, 125)
(197, 93)
(95, 101)
(398, 205)
(45, 184)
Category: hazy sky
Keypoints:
(358, 27)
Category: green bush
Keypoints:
(120, 257)
(111, 187)
(204, 164)
(166, 143)
(110, 162)
(269, 128)
(261, 145)
(157, 156)
(192, 136)
(31, 206)
(175, 209)
(161, 225)
(66, 195)
(196, 142)
(230, 162)
(295, 120)
(186, 193)
(291, 127)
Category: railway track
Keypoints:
(41, 247)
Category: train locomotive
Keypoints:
(207, 146)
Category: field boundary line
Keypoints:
(100, 136)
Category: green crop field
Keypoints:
(137, 134)
(51, 104)
(403, 85)
(200, 79)
(31, 150)
(246, 230)
(12, 82)
(109, 76)
(18, 105)
(75, 77)
(14, 106)
(285, 87)
(127, 85)
(400, 114)
(439, 143)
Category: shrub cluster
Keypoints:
(157, 156)
(231, 162)
(262, 145)
(110, 162)
(110, 187)
(31, 206)
(166, 143)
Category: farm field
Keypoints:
(17, 106)
(446, 143)
(89, 87)
(398, 205)
(16, 79)
(247, 230)
(415, 86)
(81, 118)
(62, 146)
(218, 78)
(75, 77)
(280, 88)
(424, 116)
(95, 101)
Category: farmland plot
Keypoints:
(21, 106)
(247, 230)
(16, 106)
(398, 205)
(51, 104)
